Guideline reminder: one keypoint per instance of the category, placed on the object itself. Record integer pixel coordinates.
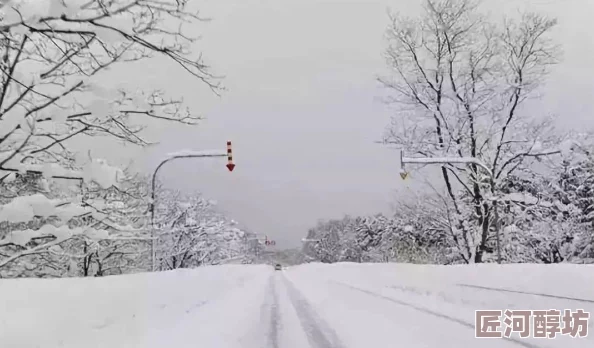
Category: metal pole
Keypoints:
(153, 237)
(442, 160)
(497, 228)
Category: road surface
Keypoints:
(317, 306)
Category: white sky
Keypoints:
(301, 109)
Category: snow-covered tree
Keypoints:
(546, 213)
(191, 233)
(52, 54)
(125, 216)
(460, 81)
(328, 247)
(410, 235)
(571, 212)
(189, 230)
(101, 234)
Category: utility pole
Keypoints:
(466, 160)
(192, 154)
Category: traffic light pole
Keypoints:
(206, 154)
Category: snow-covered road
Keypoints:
(314, 305)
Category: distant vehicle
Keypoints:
(278, 267)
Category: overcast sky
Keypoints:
(301, 107)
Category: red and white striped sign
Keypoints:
(230, 164)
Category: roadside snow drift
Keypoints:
(179, 308)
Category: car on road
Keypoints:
(278, 267)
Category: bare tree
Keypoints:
(460, 82)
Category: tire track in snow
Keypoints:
(318, 332)
(270, 312)
(525, 293)
(428, 311)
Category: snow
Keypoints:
(62, 233)
(19, 30)
(316, 305)
(141, 102)
(97, 234)
(9, 121)
(28, 9)
(54, 170)
(108, 35)
(59, 118)
(441, 160)
(32, 10)
(205, 153)
(100, 108)
(51, 169)
(520, 197)
(182, 308)
(537, 147)
(100, 172)
(67, 212)
(10, 177)
(24, 208)
(431, 160)
(58, 8)
(566, 147)
(103, 92)
(26, 76)
(22, 237)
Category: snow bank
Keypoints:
(143, 310)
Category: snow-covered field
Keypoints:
(313, 305)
